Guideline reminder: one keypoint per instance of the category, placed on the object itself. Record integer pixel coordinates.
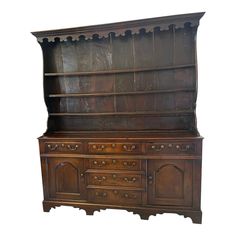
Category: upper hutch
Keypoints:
(121, 101)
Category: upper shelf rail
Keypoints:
(133, 70)
(62, 95)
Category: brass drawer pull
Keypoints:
(100, 178)
(129, 196)
(129, 164)
(131, 180)
(157, 149)
(72, 148)
(99, 164)
(129, 148)
(101, 194)
(99, 147)
(52, 148)
(182, 149)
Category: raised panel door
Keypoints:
(170, 182)
(66, 178)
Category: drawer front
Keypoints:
(127, 148)
(63, 147)
(171, 148)
(116, 164)
(115, 179)
(119, 197)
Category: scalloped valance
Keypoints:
(120, 28)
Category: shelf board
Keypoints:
(145, 113)
(62, 95)
(120, 71)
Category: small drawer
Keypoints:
(127, 148)
(115, 179)
(170, 148)
(115, 164)
(118, 197)
(63, 147)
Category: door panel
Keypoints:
(170, 182)
(66, 179)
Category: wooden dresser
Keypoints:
(122, 131)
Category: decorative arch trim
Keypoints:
(120, 28)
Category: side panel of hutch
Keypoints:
(121, 101)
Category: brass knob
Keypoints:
(134, 164)
(81, 174)
(95, 162)
(113, 176)
(115, 192)
(113, 145)
(103, 162)
(125, 163)
(104, 194)
(94, 146)
(126, 195)
(63, 145)
(177, 146)
(150, 179)
(95, 177)
(114, 161)
(104, 177)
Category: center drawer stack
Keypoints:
(117, 179)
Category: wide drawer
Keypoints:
(127, 148)
(171, 148)
(118, 197)
(116, 164)
(63, 147)
(115, 179)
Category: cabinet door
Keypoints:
(170, 182)
(66, 179)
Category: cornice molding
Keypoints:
(120, 28)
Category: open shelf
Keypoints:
(144, 81)
(172, 67)
(118, 93)
(145, 113)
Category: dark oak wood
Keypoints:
(119, 94)
(122, 130)
(120, 71)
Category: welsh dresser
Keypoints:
(121, 130)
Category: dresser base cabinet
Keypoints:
(165, 181)
(121, 129)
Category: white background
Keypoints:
(23, 117)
